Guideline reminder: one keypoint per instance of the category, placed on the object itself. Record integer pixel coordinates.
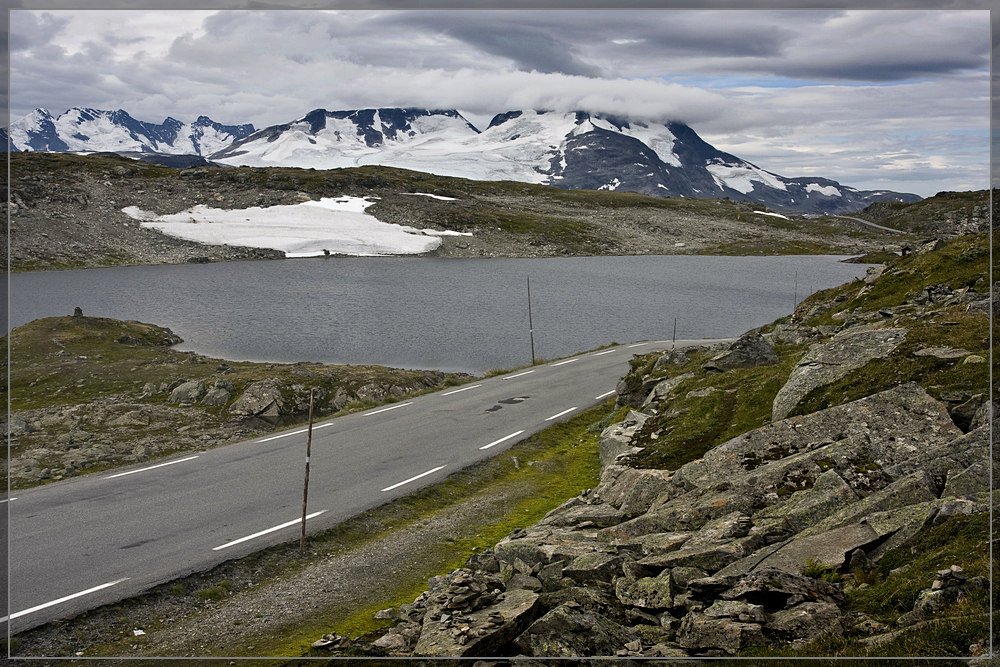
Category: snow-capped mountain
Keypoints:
(567, 150)
(575, 150)
(92, 130)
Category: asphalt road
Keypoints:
(96, 539)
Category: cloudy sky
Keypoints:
(874, 99)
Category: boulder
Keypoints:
(482, 632)
(187, 392)
(847, 351)
(631, 490)
(676, 357)
(964, 414)
(649, 593)
(261, 398)
(749, 350)
(568, 631)
(700, 632)
(663, 388)
(617, 438)
(594, 567)
(805, 622)
(602, 515)
(831, 548)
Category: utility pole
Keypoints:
(305, 488)
(674, 343)
(531, 330)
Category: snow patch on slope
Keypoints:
(827, 190)
(741, 177)
(339, 226)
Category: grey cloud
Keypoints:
(29, 29)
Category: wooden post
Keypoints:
(795, 296)
(531, 330)
(305, 488)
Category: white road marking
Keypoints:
(564, 412)
(160, 465)
(503, 439)
(269, 530)
(511, 377)
(391, 407)
(60, 600)
(449, 393)
(638, 344)
(7, 500)
(605, 352)
(423, 474)
(301, 430)
(597, 398)
(568, 361)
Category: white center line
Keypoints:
(564, 412)
(506, 437)
(269, 530)
(605, 352)
(423, 474)
(301, 430)
(511, 377)
(391, 407)
(449, 393)
(638, 344)
(568, 361)
(60, 600)
(160, 465)
(597, 398)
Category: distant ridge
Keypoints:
(571, 150)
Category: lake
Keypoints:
(466, 315)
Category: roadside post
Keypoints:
(305, 487)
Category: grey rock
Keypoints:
(631, 490)
(594, 567)
(650, 593)
(488, 629)
(664, 388)
(831, 548)
(340, 400)
(215, 396)
(774, 588)
(847, 351)
(262, 398)
(964, 414)
(573, 631)
(701, 632)
(617, 438)
(187, 392)
(371, 392)
(806, 622)
(602, 515)
(676, 357)
(749, 350)
(941, 352)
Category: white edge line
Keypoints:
(60, 600)
(391, 407)
(265, 532)
(449, 393)
(568, 361)
(564, 412)
(605, 352)
(511, 377)
(7, 500)
(597, 398)
(423, 474)
(160, 465)
(506, 437)
(638, 344)
(301, 430)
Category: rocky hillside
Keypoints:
(946, 214)
(91, 393)
(66, 212)
(787, 495)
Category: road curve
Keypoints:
(96, 539)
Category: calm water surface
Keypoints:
(466, 315)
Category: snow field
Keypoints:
(339, 226)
